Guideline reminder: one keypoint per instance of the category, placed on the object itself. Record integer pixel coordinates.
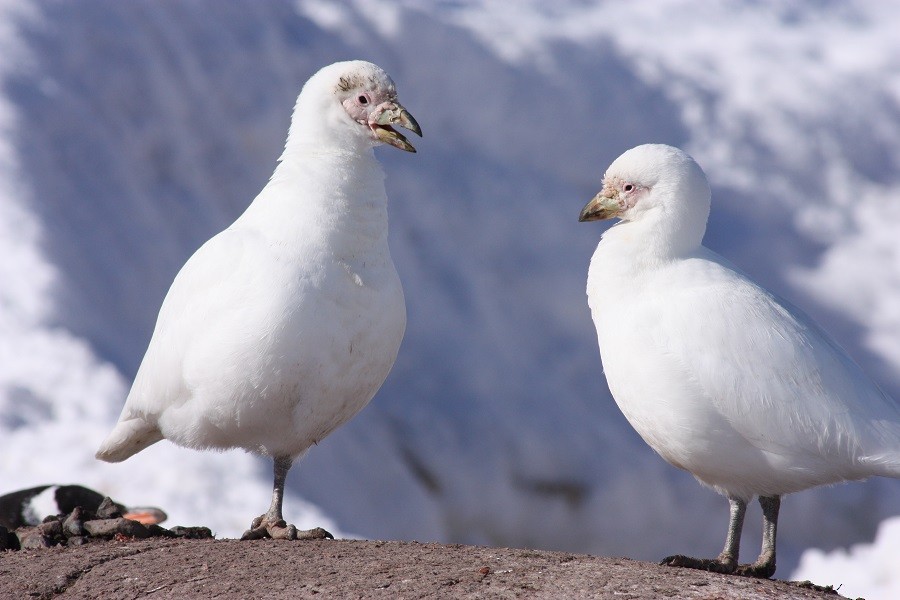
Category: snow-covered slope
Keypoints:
(862, 571)
(131, 132)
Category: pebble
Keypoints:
(73, 526)
(107, 528)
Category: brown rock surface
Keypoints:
(223, 569)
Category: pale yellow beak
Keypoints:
(392, 113)
(604, 205)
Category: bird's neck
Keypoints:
(660, 232)
(654, 240)
(320, 126)
(323, 197)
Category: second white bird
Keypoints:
(719, 376)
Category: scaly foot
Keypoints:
(279, 530)
(761, 569)
(716, 565)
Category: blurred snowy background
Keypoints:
(130, 132)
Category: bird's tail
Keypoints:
(884, 465)
(128, 437)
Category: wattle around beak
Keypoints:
(392, 113)
(602, 206)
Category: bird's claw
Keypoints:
(714, 565)
(279, 530)
(255, 534)
(759, 570)
(763, 568)
(317, 533)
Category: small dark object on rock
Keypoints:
(192, 533)
(77, 540)
(45, 535)
(31, 538)
(159, 531)
(107, 528)
(809, 585)
(133, 529)
(102, 527)
(52, 529)
(73, 526)
(485, 570)
(108, 509)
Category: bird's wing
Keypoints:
(770, 371)
(208, 294)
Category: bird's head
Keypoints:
(658, 184)
(353, 101)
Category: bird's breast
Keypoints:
(299, 347)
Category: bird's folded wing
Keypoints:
(207, 295)
(773, 374)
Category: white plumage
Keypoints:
(718, 375)
(282, 327)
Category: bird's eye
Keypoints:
(363, 100)
(628, 187)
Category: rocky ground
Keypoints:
(99, 554)
(167, 567)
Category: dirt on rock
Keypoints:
(159, 568)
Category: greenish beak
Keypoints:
(602, 206)
(392, 113)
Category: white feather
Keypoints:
(283, 326)
(718, 375)
(41, 505)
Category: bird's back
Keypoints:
(737, 386)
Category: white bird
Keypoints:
(718, 375)
(282, 327)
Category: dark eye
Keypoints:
(362, 100)
(628, 187)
